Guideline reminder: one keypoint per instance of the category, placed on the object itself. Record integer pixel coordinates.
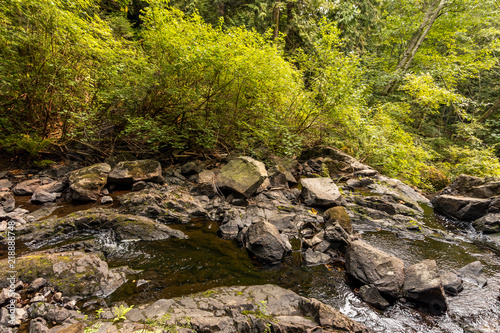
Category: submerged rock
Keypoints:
(423, 284)
(320, 192)
(86, 184)
(372, 266)
(243, 175)
(128, 172)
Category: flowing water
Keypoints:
(173, 267)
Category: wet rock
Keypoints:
(7, 201)
(338, 215)
(128, 172)
(473, 272)
(320, 192)
(462, 208)
(229, 230)
(38, 325)
(372, 266)
(5, 185)
(328, 317)
(489, 223)
(372, 296)
(72, 273)
(106, 200)
(243, 175)
(138, 186)
(452, 284)
(26, 187)
(264, 241)
(337, 236)
(122, 227)
(423, 284)
(206, 183)
(86, 184)
(36, 284)
(314, 258)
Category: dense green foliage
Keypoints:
(410, 87)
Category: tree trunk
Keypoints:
(418, 38)
(276, 19)
(488, 113)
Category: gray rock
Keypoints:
(36, 284)
(190, 168)
(40, 196)
(423, 284)
(242, 175)
(6, 296)
(106, 200)
(452, 283)
(322, 246)
(26, 187)
(321, 192)
(489, 223)
(264, 241)
(473, 272)
(138, 186)
(462, 208)
(206, 183)
(229, 230)
(5, 184)
(38, 325)
(337, 236)
(372, 296)
(128, 172)
(314, 258)
(372, 266)
(7, 201)
(86, 184)
(476, 187)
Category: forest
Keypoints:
(410, 87)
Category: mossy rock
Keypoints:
(86, 184)
(128, 172)
(338, 215)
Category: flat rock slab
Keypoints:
(320, 192)
(462, 208)
(373, 266)
(243, 175)
(129, 172)
(242, 309)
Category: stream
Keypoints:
(177, 267)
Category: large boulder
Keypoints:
(265, 242)
(462, 208)
(423, 284)
(73, 273)
(128, 172)
(320, 192)
(489, 223)
(242, 175)
(86, 184)
(7, 201)
(373, 266)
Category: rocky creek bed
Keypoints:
(323, 244)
